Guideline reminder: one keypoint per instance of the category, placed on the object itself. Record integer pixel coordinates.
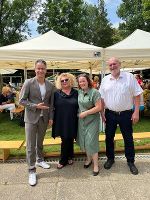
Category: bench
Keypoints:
(5, 147)
(18, 110)
(118, 137)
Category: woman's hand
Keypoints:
(103, 117)
(50, 122)
(83, 114)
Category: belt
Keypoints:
(118, 112)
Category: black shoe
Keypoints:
(108, 164)
(95, 173)
(88, 165)
(133, 168)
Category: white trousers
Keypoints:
(10, 107)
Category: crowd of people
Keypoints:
(74, 115)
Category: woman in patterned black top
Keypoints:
(65, 121)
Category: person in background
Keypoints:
(118, 92)
(5, 102)
(65, 116)
(89, 121)
(37, 97)
(96, 82)
(146, 96)
(139, 79)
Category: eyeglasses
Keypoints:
(64, 80)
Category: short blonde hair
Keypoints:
(71, 77)
(5, 90)
(96, 78)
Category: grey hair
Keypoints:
(41, 61)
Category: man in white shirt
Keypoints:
(37, 96)
(119, 91)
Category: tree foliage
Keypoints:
(132, 14)
(146, 9)
(61, 16)
(103, 32)
(77, 20)
(14, 16)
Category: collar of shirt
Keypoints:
(120, 76)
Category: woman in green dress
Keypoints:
(89, 121)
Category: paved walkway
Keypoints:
(76, 183)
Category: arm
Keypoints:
(102, 111)
(95, 109)
(135, 115)
(51, 106)
(24, 98)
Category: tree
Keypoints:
(61, 16)
(76, 20)
(14, 16)
(103, 32)
(146, 9)
(131, 12)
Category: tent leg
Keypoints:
(91, 73)
(25, 73)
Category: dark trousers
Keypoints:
(67, 151)
(125, 124)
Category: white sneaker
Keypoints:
(32, 178)
(43, 164)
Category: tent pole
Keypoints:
(1, 82)
(102, 124)
(25, 73)
(103, 64)
(91, 73)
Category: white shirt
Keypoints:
(43, 92)
(118, 94)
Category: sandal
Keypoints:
(70, 162)
(59, 166)
(87, 165)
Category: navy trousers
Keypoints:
(125, 124)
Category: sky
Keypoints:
(111, 6)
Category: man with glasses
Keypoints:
(37, 97)
(119, 90)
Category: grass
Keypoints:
(10, 130)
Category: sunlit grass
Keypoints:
(10, 130)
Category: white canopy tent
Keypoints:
(133, 50)
(60, 53)
(107, 71)
(7, 71)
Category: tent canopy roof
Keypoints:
(51, 47)
(135, 46)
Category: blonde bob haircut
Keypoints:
(5, 90)
(71, 77)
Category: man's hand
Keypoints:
(41, 106)
(135, 117)
(50, 122)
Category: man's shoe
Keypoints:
(43, 164)
(133, 168)
(32, 179)
(108, 164)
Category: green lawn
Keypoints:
(10, 130)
